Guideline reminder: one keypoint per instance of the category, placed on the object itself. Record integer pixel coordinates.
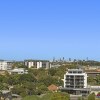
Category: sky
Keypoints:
(43, 29)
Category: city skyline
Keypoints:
(46, 29)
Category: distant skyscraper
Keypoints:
(69, 59)
(63, 59)
(87, 59)
(53, 59)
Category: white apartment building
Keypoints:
(37, 64)
(75, 82)
(5, 65)
(75, 78)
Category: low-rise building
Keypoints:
(18, 71)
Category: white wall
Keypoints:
(78, 74)
(38, 65)
(85, 80)
(30, 64)
(64, 81)
(3, 65)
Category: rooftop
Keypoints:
(75, 70)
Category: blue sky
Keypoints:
(43, 29)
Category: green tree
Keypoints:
(80, 98)
(91, 96)
(17, 89)
(29, 87)
(0, 95)
(13, 79)
(41, 88)
(60, 96)
(1, 86)
(19, 65)
(33, 71)
(90, 80)
(27, 77)
(97, 79)
(52, 71)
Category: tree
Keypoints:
(52, 71)
(90, 80)
(27, 77)
(97, 79)
(18, 65)
(79, 98)
(33, 71)
(17, 90)
(41, 88)
(1, 86)
(91, 96)
(13, 79)
(29, 87)
(60, 96)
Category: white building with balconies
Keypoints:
(75, 78)
(75, 82)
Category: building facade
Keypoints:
(75, 78)
(5, 65)
(37, 64)
(75, 82)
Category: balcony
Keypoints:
(69, 77)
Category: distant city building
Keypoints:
(18, 71)
(5, 65)
(37, 64)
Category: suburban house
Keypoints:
(53, 88)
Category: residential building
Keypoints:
(5, 65)
(75, 82)
(18, 71)
(75, 78)
(37, 64)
